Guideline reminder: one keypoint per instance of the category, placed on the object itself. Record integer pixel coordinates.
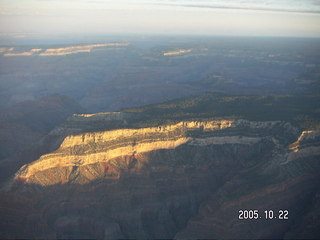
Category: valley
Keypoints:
(158, 137)
(134, 72)
(171, 180)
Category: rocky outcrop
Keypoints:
(62, 51)
(178, 52)
(288, 181)
(305, 138)
(185, 180)
(307, 145)
(83, 151)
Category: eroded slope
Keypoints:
(89, 150)
(185, 180)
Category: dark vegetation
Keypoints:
(301, 110)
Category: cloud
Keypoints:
(297, 6)
(253, 8)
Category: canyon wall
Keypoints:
(185, 180)
(77, 151)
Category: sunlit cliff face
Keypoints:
(302, 147)
(93, 154)
(91, 148)
(139, 180)
(77, 49)
(178, 52)
(59, 51)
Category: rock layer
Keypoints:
(189, 189)
(290, 181)
(101, 147)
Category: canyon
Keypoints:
(182, 180)
(159, 137)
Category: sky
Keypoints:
(298, 18)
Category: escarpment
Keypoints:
(307, 145)
(84, 157)
(184, 180)
(288, 181)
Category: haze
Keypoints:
(299, 18)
